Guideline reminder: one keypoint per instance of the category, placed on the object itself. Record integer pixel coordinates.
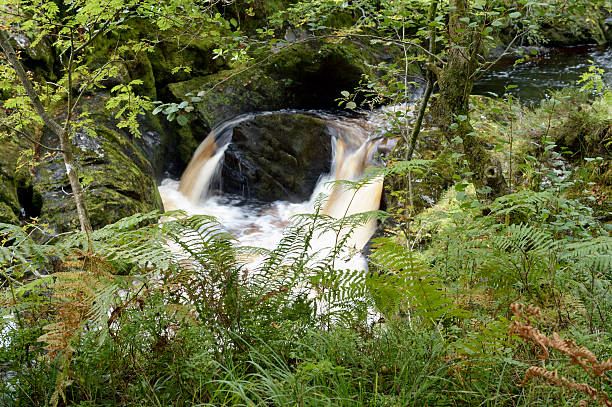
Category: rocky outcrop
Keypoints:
(301, 76)
(277, 157)
(592, 26)
(117, 178)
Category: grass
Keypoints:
(166, 351)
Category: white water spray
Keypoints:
(263, 225)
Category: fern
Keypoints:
(524, 239)
(20, 252)
(595, 253)
(402, 282)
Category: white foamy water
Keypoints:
(263, 225)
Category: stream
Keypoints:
(354, 147)
(550, 69)
(258, 224)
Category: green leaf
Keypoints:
(182, 120)
(351, 105)
(516, 14)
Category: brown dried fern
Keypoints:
(74, 293)
(522, 326)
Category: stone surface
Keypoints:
(303, 76)
(9, 201)
(117, 178)
(277, 157)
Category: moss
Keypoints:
(315, 73)
(140, 68)
(117, 178)
(581, 26)
(7, 214)
(193, 53)
(231, 92)
(9, 200)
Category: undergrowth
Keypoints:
(173, 313)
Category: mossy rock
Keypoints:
(315, 72)
(584, 133)
(196, 55)
(303, 76)
(12, 182)
(39, 58)
(227, 94)
(230, 93)
(589, 26)
(117, 178)
(576, 30)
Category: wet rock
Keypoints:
(304, 76)
(277, 157)
(39, 58)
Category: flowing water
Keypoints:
(549, 69)
(354, 148)
(262, 225)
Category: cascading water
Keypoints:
(262, 225)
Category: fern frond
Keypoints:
(402, 280)
(595, 253)
(524, 238)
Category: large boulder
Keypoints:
(308, 75)
(223, 95)
(277, 157)
(118, 179)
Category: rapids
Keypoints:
(262, 225)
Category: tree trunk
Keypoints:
(59, 131)
(451, 109)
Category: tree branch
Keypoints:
(416, 129)
(8, 50)
(30, 139)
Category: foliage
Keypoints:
(168, 310)
(522, 326)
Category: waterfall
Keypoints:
(262, 225)
(204, 164)
(201, 169)
(350, 166)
